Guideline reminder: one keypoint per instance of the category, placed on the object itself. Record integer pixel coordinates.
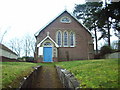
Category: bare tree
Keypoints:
(2, 36)
(29, 45)
(16, 45)
(33, 44)
(23, 46)
(3, 32)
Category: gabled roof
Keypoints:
(47, 37)
(37, 33)
(3, 47)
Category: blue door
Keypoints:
(47, 53)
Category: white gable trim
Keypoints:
(37, 33)
(82, 24)
(47, 37)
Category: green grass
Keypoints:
(94, 73)
(91, 73)
(13, 72)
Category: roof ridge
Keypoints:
(81, 23)
(36, 34)
(2, 46)
(49, 23)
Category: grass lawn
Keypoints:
(94, 73)
(13, 72)
(91, 73)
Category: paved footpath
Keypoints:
(48, 78)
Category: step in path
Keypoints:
(47, 78)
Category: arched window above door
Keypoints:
(47, 44)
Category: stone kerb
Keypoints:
(67, 79)
(30, 79)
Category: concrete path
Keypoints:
(47, 78)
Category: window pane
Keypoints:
(71, 39)
(65, 20)
(59, 38)
(65, 38)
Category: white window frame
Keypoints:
(51, 44)
(65, 21)
(73, 39)
(57, 38)
(54, 50)
(64, 38)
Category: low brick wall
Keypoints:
(67, 79)
(28, 81)
(40, 59)
(55, 59)
(5, 59)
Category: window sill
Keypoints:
(65, 46)
(72, 46)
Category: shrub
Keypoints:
(30, 59)
(105, 50)
(97, 56)
(27, 59)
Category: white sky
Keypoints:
(28, 16)
(19, 17)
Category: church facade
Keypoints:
(63, 39)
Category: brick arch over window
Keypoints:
(59, 38)
(72, 39)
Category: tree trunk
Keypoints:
(96, 41)
(108, 26)
(118, 40)
(119, 45)
(26, 49)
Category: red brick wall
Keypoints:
(55, 59)
(82, 48)
(40, 59)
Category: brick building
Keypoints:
(63, 39)
(6, 54)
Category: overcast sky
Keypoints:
(20, 17)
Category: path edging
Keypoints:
(29, 79)
(67, 78)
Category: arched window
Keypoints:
(59, 38)
(72, 39)
(65, 19)
(65, 38)
(47, 44)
